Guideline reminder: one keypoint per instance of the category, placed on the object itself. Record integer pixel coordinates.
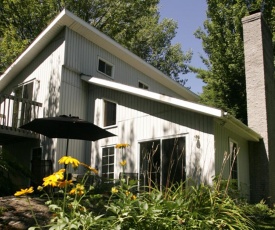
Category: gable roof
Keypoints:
(68, 19)
(228, 121)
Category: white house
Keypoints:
(72, 68)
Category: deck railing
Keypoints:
(15, 111)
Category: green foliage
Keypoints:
(223, 43)
(198, 207)
(10, 167)
(134, 24)
(259, 211)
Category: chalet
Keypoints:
(72, 68)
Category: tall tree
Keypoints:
(134, 24)
(222, 40)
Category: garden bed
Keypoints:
(15, 212)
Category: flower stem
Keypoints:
(33, 213)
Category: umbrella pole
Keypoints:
(65, 166)
(67, 147)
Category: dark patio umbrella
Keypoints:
(67, 127)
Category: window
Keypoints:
(22, 111)
(162, 162)
(150, 164)
(142, 85)
(105, 67)
(233, 159)
(173, 161)
(108, 163)
(109, 113)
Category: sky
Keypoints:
(190, 15)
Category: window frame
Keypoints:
(106, 63)
(234, 175)
(104, 123)
(22, 112)
(143, 84)
(108, 173)
(162, 162)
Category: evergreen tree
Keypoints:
(222, 40)
(134, 24)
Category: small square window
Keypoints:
(108, 163)
(105, 68)
(109, 113)
(142, 85)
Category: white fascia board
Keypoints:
(240, 128)
(154, 96)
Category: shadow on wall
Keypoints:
(51, 110)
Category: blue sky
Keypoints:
(190, 15)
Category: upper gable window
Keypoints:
(105, 67)
(142, 85)
(25, 90)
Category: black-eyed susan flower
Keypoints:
(122, 163)
(122, 146)
(69, 160)
(133, 197)
(50, 180)
(60, 174)
(23, 192)
(53, 180)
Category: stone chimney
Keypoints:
(260, 91)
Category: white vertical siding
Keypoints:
(140, 120)
(82, 56)
(222, 136)
(73, 101)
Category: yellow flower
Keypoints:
(65, 183)
(122, 163)
(23, 192)
(60, 174)
(127, 193)
(122, 146)
(52, 180)
(89, 167)
(69, 160)
(114, 190)
(133, 197)
(79, 190)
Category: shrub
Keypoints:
(123, 206)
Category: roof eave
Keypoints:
(233, 123)
(192, 106)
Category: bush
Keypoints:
(259, 211)
(123, 206)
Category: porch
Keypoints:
(14, 112)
